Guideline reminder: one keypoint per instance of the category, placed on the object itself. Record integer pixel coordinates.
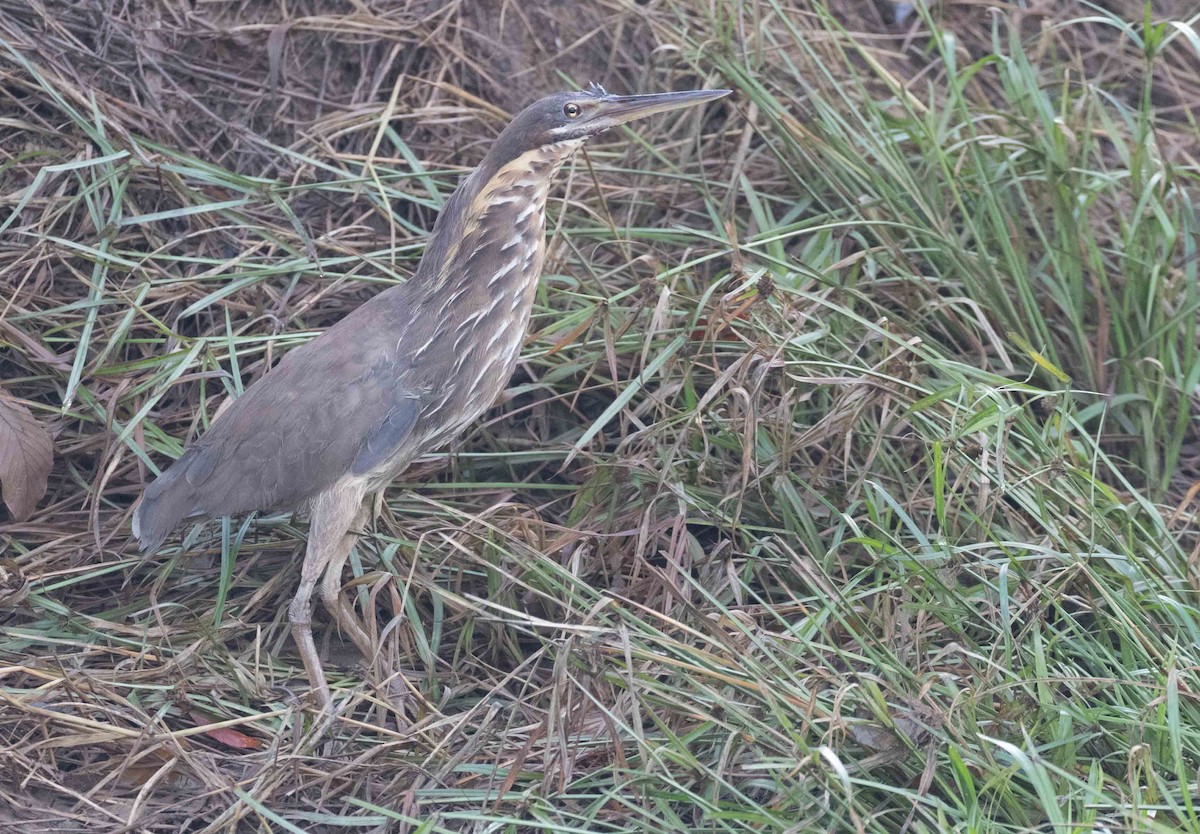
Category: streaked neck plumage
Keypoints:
(478, 279)
(496, 214)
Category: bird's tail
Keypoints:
(164, 504)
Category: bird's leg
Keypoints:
(300, 616)
(331, 587)
(333, 514)
(339, 605)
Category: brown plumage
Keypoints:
(342, 415)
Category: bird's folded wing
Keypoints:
(327, 410)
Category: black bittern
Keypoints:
(341, 416)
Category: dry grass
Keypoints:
(787, 521)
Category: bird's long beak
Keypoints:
(617, 110)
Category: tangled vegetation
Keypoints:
(848, 481)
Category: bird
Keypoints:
(341, 416)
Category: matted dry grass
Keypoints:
(634, 597)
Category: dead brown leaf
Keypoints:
(226, 735)
(26, 455)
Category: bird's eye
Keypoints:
(572, 110)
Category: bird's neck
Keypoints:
(493, 228)
(473, 293)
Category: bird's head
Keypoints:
(569, 118)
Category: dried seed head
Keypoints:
(765, 286)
